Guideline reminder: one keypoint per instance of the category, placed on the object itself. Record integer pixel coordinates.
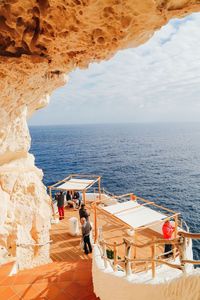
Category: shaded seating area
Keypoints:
(75, 183)
(132, 231)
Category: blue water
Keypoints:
(160, 162)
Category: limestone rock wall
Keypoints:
(40, 42)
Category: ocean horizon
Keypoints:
(157, 161)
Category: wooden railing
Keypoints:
(179, 244)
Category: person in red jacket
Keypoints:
(60, 204)
(167, 230)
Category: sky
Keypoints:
(155, 82)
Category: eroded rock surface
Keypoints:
(40, 42)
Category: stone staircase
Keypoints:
(55, 281)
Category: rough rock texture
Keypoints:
(41, 41)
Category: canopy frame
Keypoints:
(169, 215)
(95, 179)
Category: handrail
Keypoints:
(36, 244)
(195, 236)
(179, 244)
(111, 245)
(176, 266)
(194, 262)
(158, 241)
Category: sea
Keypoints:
(157, 161)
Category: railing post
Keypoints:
(52, 207)
(127, 255)
(135, 241)
(104, 255)
(115, 257)
(182, 252)
(176, 226)
(153, 256)
(99, 187)
(175, 235)
(95, 223)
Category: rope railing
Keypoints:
(33, 244)
(178, 243)
(158, 241)
(190, 235)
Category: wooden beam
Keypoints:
(164, 208)
(135, 243)
(194, 262)
(123, 195)
(95, 224)
(132, 208)
(114, 218)
(105, 256)
(127, 263)
(111, 244)
(84, 175)
(189, 235)
(159, 241)
(175, 266)
(115, 257)
(63, 180)
(153, 255)
(175, 235)
(99, 187)
(176, 226)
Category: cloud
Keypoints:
(158, 81)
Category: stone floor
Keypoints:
(67, 278)
(56, 281)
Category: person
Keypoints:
(77, 198)
(56, 196)
(69, 199)
(167, 230)
(68, 196)
(60, 204)
(86, 228)
(83, 212)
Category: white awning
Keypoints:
(134, 214)
(75, 184)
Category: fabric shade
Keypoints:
(134, 214)
(75, 184)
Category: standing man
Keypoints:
(83, 212)
(167, 230)
(60, 204)
(86, 228)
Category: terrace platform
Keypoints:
(65, 247)
(69, 275)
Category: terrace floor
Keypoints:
(69, 276)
